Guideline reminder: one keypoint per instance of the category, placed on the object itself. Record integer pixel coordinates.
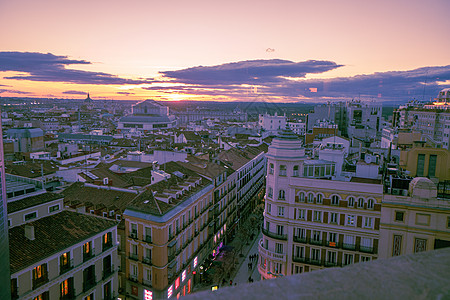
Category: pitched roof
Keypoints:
(53, 234)
(78, 193)
(31, 201)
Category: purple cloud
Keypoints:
(268, 77)
(49, 67)
(249, 72)
(125, 93)
(74, 93)
(14, 92)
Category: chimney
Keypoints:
(29, 232)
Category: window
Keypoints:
(420, 165)
(278, 248)
(280, 229)
(270, 193)
(269, 208)
(40, 275)
(87, 251)
(368, 222)
(301, 197)
(365, 258)
(331, 257)
(299, 251)
(319, 198)
(432, 165)
(348, 259)
(360, 203)
(295, 171)
(351, 220)
(148, 234)
(283, 170)
(317, 216)
(53, 208)
(397, 245)
(64, 262)
(399, 216)
(315, 254)
(351, 202)
(134, 230)
(281, 195)
(301, 233)
(270, 168)
(107, 241)
(335, 200)
(448, 222)
(280, 211)
(301, 214)
(370, 204)
(420, 245)
(316, 235)
(333, 218)
(310, 198)
(349, 239)
(332, 237)
(66, 288)
(30, 216)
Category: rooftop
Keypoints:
(53, 234)
(31, 201)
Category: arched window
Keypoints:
(281, 195)
(351, 202)
(283, 170)
(301, 197)
(335, 200)
(270, 168)
(360, 202)
(295, 172)
(370, 203)
(319, 198)
(310, 198)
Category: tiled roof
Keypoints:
(32, 169)
(79, 193)
(53, 234)
(32, 201)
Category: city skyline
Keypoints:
(288, 52)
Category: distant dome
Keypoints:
(421, 187)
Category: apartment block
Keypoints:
(60, 254)
(310, 220)
(415, 222)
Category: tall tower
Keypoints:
(5, 276)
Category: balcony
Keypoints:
(133, 278)
(70, 295)
(134, 256)
(274, 235)
(298, 239)
(366, 249)
(147, 283)
(108, 272)
(65, 268)
(39, 282)
(349, 246)
(147, 260)
(316, 262)
(331, 264)
(106, 246)
(147, 238)
(315, 242)
(134, 235)
(89, 283)
(89, 255)
(299, 259)
(267, 253)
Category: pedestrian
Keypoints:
(251, 267)
(249, 278)
(231, 282)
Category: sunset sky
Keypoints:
(225, 50)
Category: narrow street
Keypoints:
(244, 273)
